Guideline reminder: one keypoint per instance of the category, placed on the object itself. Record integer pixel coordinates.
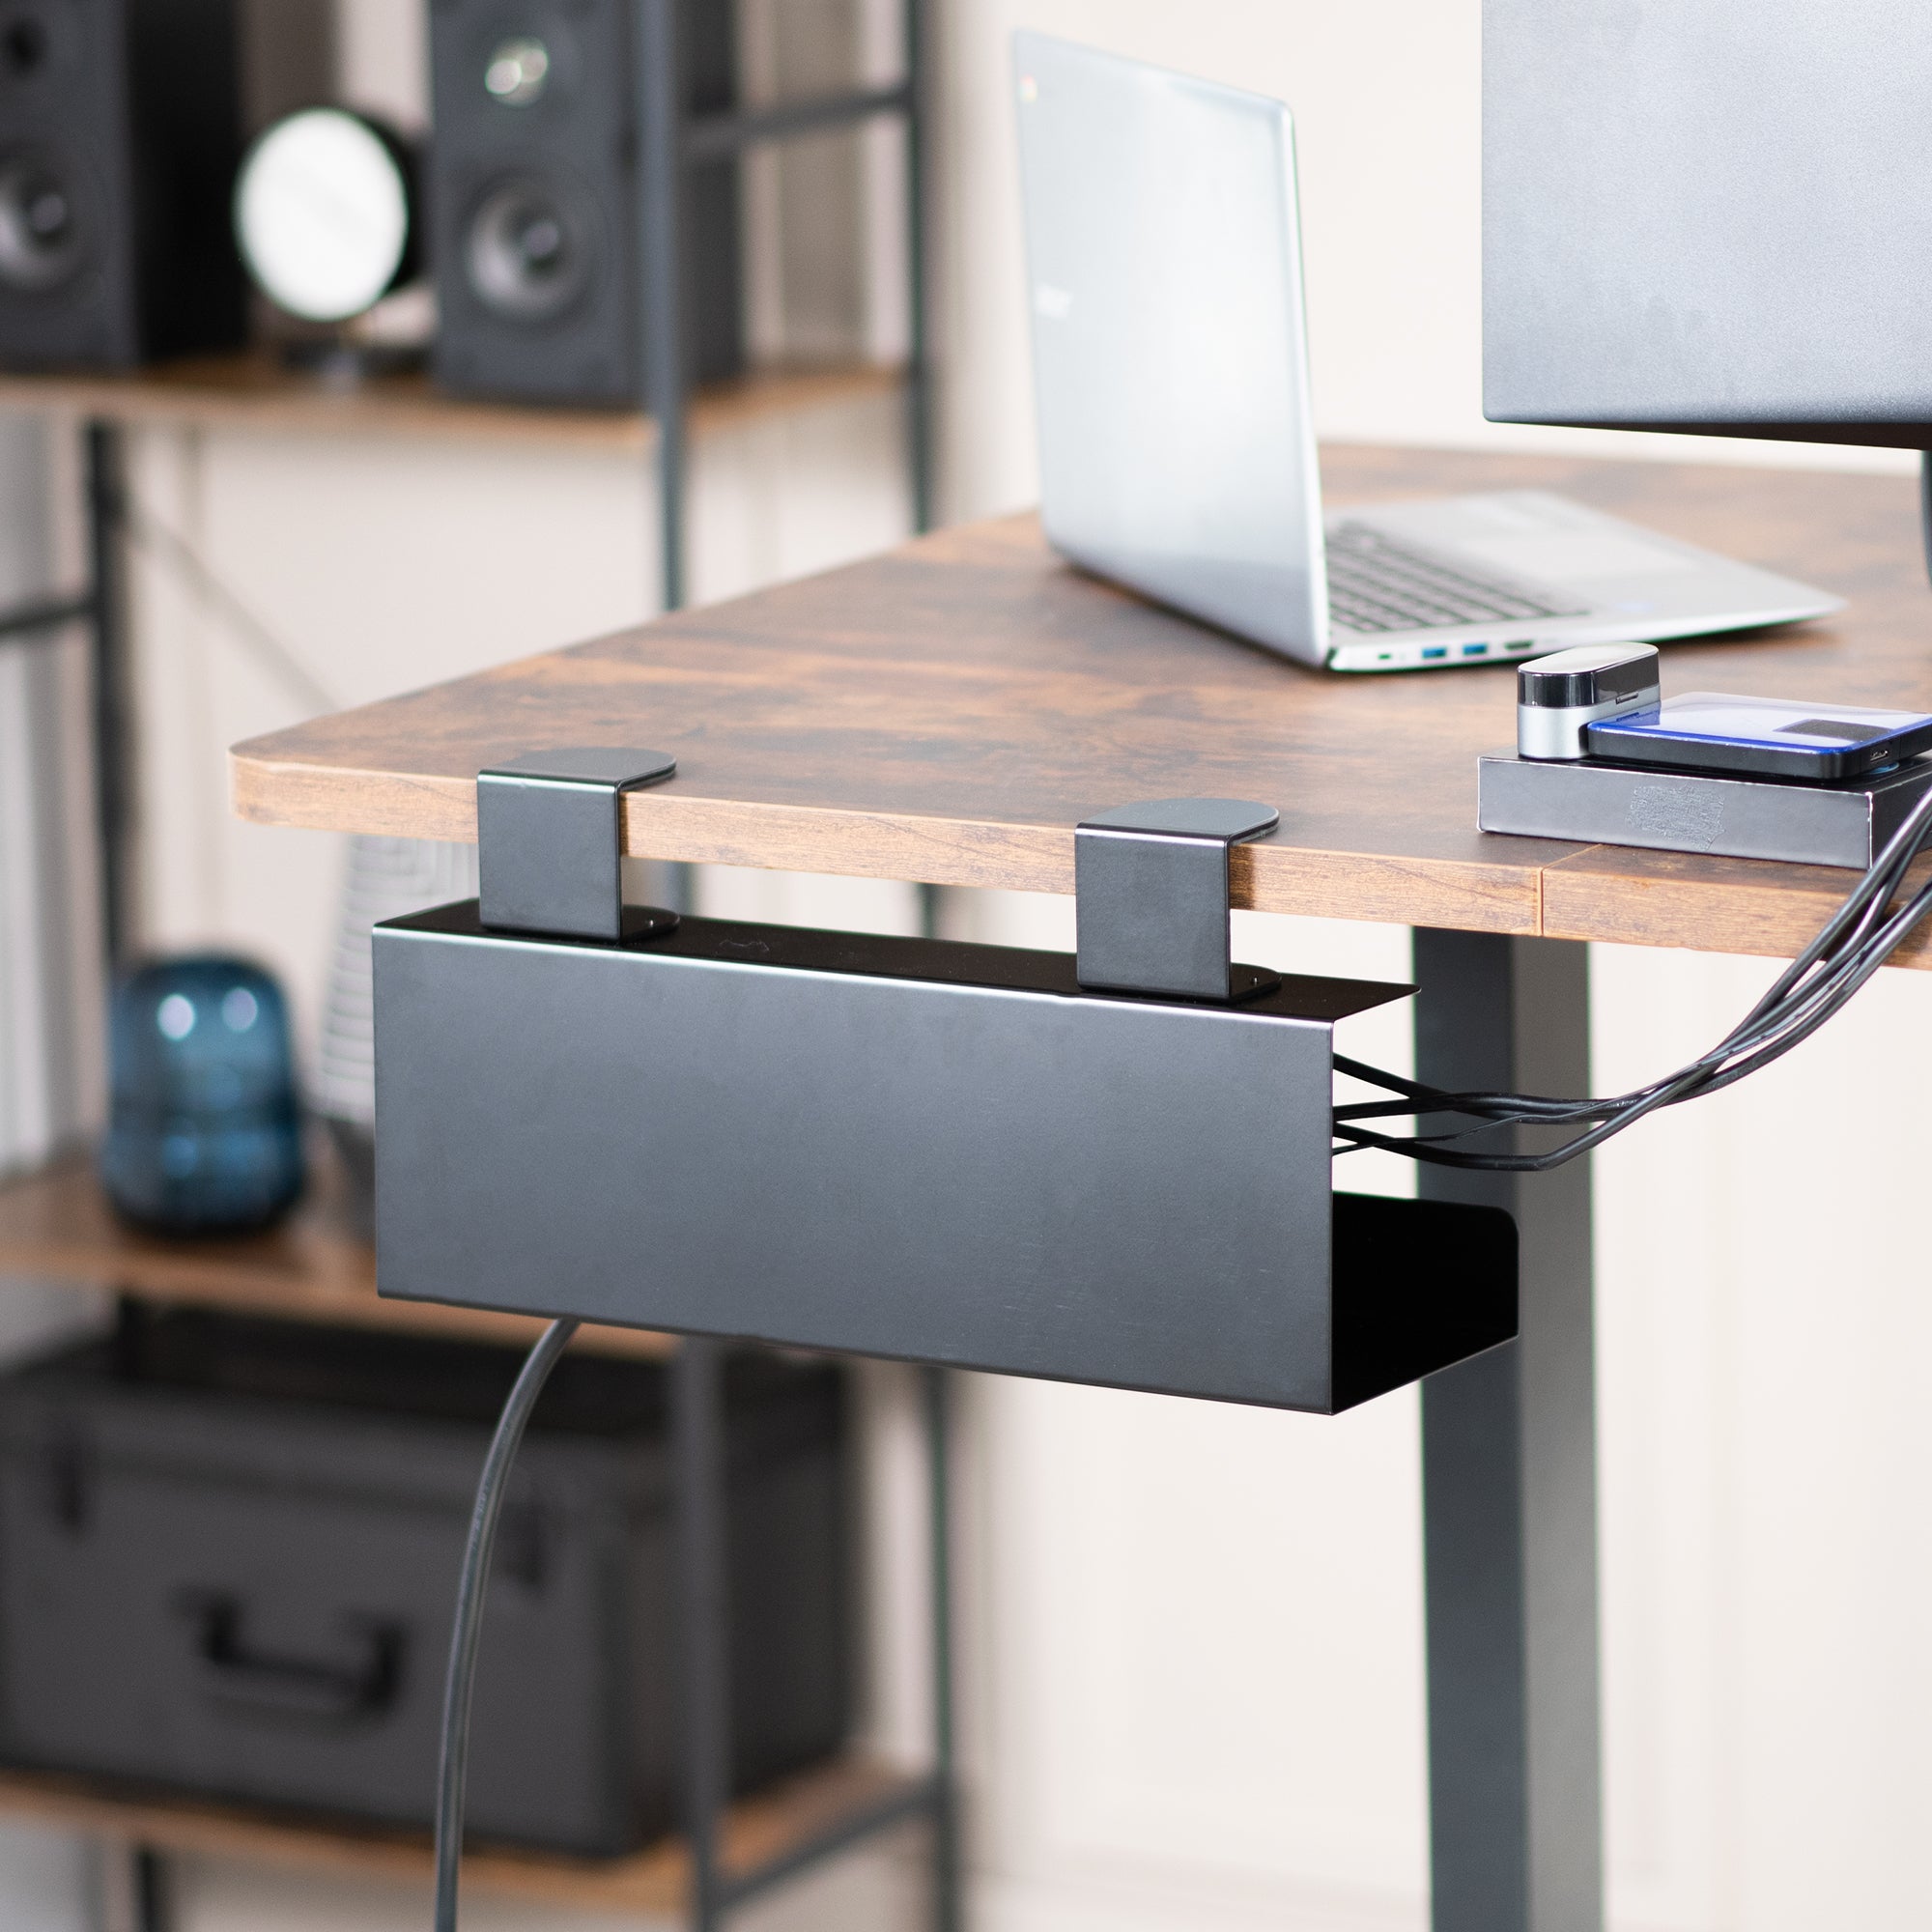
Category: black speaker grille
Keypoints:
(119, 132)
(533, 207)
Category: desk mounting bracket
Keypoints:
(550, 836)
(1151, 898)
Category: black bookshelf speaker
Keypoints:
(120, 126)
(533, 210)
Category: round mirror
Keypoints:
(321, 213)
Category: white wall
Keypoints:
(1768, 1561)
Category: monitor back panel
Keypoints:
(1709, 214)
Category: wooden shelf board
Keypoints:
(756, 1830)
(256, 392)
(56, 1225)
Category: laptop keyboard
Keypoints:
(1376, 583)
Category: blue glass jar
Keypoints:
(204, 1132)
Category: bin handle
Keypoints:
(280, 1686)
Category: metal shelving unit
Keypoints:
(55, 1226)
(671, 141)
(724, 1858)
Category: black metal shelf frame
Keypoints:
(669, 143)
(703, 1624)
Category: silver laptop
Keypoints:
(1175, 445)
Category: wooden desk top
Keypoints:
(950, 711)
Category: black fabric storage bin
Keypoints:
(228, 1560)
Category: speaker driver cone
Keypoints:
(528, 251)
(41, 236)
(24, 45)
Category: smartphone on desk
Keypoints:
(1764, 737)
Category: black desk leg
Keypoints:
(152, 1901)
(106, 517)
(1509, 1481)
(947, 1876)
(698, 1434)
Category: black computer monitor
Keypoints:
(1712, 216)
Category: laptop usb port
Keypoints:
(1475, 650)
(1435, 651)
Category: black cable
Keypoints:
(1708, 1075)
(1847, 951)
(1740, 1054)
(1855, 917)
(454, 1761)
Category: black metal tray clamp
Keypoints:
(1113, 1168)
